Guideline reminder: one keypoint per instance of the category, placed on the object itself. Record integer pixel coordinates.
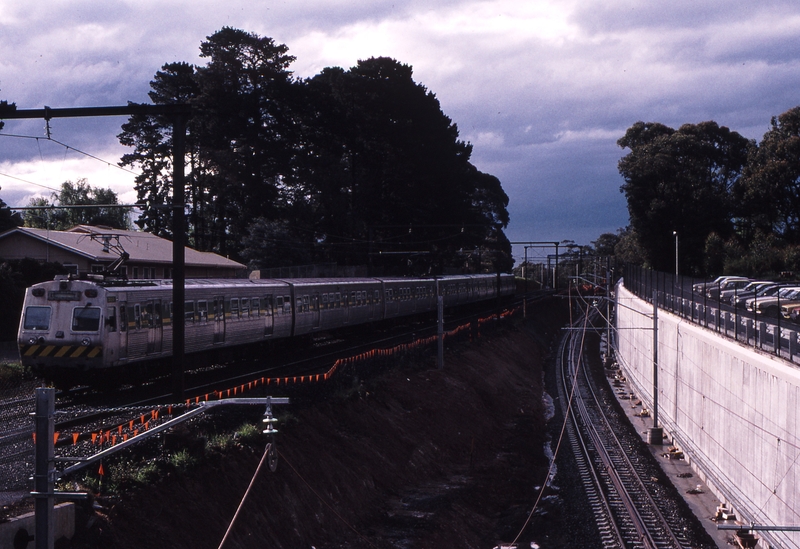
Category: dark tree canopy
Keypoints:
(389, 171)
(346, 164)
(8, 218)
(769, 191)
(682, 181)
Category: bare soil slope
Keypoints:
(416, 457)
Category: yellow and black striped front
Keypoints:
(66, 352)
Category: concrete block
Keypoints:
(63, 527)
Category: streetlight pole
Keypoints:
(675, 234)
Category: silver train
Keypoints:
(70, 328)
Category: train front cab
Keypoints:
(62, 326)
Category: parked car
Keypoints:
(771, 306)
(727, 295)
(701, 287)
(790, 308)
(713, 292)
(764, 291)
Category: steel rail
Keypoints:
(638, 519)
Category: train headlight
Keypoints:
(32, 341)
(86, 341)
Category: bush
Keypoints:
(182, 460)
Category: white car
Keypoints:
(701, 287)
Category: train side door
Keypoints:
(154, 326)
(123, 330)
(315, 309)
(158, 328)
(219, 319)
(268, 315)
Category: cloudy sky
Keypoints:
(542, 89)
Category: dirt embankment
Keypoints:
(416, 458)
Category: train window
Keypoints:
(137, 316)
(298, 305)
(245, 307)
(377, 297)
(188, 312)
(305, 304)
(287, 304)
(268, 305)
(111, 319)
(279, 303)
(148, 318)
(234, 307)
(324, 301)
(255, 304)
(37, 318)
(86, 319)
(123, 318)
(202, 311)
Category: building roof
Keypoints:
(141, 247)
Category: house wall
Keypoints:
(19, 246)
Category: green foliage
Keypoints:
(769, 191)
(183, 460)
(248, 433)
(220, 442)
(77, 194)
(627, 249)
(134, 471)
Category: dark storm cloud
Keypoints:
(542, 89)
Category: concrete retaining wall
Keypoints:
(23, 527)
(732, 409)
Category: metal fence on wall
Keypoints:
(778, 336)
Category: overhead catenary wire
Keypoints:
(70, 148)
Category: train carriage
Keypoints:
(408, 296)
(328, 303)
(70, 326)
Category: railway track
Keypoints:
(623, 484)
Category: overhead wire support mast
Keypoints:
(179, 115)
